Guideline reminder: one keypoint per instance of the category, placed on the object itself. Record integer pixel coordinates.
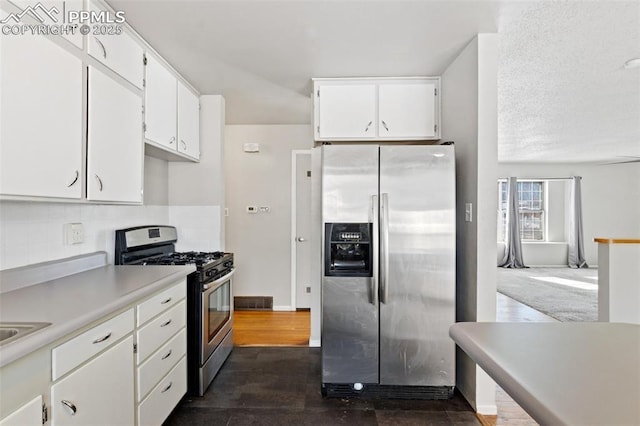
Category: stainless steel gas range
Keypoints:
(209, 296)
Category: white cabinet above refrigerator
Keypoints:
(378, 109)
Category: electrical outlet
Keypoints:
(265, 209)
(252, 209)
(74, 233)
(308, 289)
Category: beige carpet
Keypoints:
(562, 293)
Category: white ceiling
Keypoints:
(564, 95)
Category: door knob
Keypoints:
(301, 239)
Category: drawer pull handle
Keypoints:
(70, 405)
(103, 338)
(168, 387)
(164, 302)
(168, 354)
(368, 125)
(164, 324)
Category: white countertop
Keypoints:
(561, 373)
(75, 301)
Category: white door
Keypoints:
(303, 230)
(100, 392)
(160, 104)
(407, 110)
(41, 116)
(29, 414)
(188, 122)
(115, 147)
(347, 111)
(120, 52)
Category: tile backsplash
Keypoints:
(32, 232)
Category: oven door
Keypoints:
(217, 313)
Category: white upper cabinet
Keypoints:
(54, 15)
(114, 146)
(407, 110)
(41, 118)
(346, 111)
(188, 122)
(172, 114)
(368, 109)
(160, 104)
(117, 49)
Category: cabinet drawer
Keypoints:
(161, 302)
(69, 355)
(158, 331)
(164, 397)
(160, 363)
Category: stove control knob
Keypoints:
(227, 264)
(211, 272)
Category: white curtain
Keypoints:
(512, 257)
(576, 236)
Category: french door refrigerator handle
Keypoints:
(384, 247)
(375, 218)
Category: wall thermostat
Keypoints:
(251, 147)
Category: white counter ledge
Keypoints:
(75, 301)
(561, 373)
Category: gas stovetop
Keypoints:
(200, 259)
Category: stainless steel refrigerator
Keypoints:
(388, 276)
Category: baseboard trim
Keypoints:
(487, 410)
(283, 308)
(314, 343)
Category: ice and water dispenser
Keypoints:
(348, 250)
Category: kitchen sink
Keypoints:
(12, 331)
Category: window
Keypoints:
(531, 208)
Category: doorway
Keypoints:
(301, 249)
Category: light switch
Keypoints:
(252, 209)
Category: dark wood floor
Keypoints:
(281, 386)
(273, 378)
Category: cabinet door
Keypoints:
(41, 116)
(60, 6)
(160, 104)
(188, 122)
(120, 52)
(407, 110)
(114, 147)
(100, 392)
(346, 111)
(29, 414)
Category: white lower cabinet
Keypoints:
(98, 393)
(161, 371)
(164, 397)
(30, 414)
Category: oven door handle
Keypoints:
(212, 286)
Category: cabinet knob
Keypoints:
(172, 140)
(368, 125)
(168, 387)
(75, 179)
(70, 405)
(184, 144)
(104, 50)
(99, 182)
(103, 338)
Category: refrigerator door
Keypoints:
(350, 335)
(417, 263)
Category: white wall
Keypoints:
(610, 203)
(261, 242)
(469, 118)
(196, 190)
